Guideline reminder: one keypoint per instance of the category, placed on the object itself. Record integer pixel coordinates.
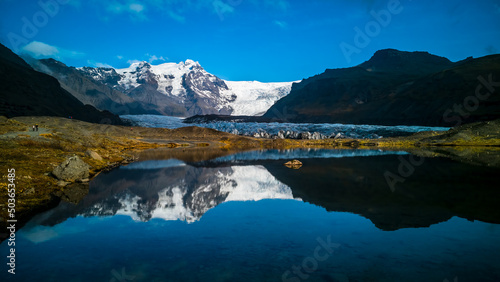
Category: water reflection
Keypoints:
(246, 217)
(171, 190)
(338, 180)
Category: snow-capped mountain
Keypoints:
(186, 89)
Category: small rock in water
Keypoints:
(295, 164)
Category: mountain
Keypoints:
(395, 88)
(26, 92)
(90, 91)
(172, 89)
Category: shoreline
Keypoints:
(105, 147)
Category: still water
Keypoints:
(246, 217)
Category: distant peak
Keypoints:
(140, 65)
(393, 53)
(189, 62)
(52, 62)
(418, 62)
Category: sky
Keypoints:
(263, 40)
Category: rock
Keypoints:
(305, 135)
(29, 191)
(281, 134)
(317, 136)
(339, 136)
(295, 164)
(72, 169)
(94, 155)
(62, 183)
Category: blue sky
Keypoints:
(265, 40)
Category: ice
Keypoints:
(327, 130)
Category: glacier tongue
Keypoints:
(255, 98)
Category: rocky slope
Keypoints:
(24, 91)
(89, 91)
(397, 88)
(183, 89)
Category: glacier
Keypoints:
(279, 130)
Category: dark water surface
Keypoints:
(246, 217)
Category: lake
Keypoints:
(247, 217)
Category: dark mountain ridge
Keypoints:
(26, 92)
(393, 88)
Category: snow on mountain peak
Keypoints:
(191, 85)
(192, 63)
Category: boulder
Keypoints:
(317, 136)
(72, 169)
(94, 155)
(305, 135)
(281, 134)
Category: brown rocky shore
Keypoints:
(56, 162)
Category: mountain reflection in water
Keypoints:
(218, 216)
(338, 180)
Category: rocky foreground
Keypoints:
(57, 161)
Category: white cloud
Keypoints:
(154, 58)
(178, 10)
(221, 8)
(133, 61)
(281, 5)
(176, 17)
(136, 7)
(135, 10)
(39, 50)
(98, 64)
(119, 57)
(281, 24)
